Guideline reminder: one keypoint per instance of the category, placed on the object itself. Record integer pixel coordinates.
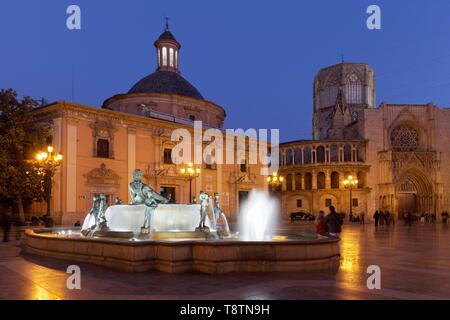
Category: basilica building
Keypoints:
(103, 146)
(398, 153)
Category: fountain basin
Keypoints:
(287, 254)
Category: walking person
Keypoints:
(445, 217)
(321, 227)
(5, 222)
(387, 217)
(334, 222)
(361, 221)
(376, 216)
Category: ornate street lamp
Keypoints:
(190, 172)
(275, 180)
(48, 162)
(350, 183)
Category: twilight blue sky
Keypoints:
(255, 58)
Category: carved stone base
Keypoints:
(203, 229)
(114, 234)
(165, 235)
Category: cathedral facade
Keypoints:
(399, 153)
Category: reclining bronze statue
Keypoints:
(142, 193)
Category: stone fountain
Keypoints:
(151, 234)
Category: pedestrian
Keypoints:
(5, 222)
(362, 218)
(382, 218)
(376, 216)
(321, 227)
(387, 217)
(445, 217)
(334, 222)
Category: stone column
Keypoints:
(71, 163)
(58, 181)
(314, 180)
(131, 155)
(327, 179)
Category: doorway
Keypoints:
(168, 191)
(243, 195)
(407, 202)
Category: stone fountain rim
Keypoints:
(41, 233)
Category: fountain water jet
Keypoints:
(258, 217)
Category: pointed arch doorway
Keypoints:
(414, 193)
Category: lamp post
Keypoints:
(190, 172)
(275, 180)
(350, 183)
(48, 162)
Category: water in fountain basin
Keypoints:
(258, 216)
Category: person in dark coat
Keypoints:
(5, 221)
(377, 217)
(334, 222)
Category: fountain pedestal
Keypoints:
(180, 220)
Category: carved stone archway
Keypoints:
(414, 192)
(102, 180)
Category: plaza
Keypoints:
(194, 163)
(414, 264)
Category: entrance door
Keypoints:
(407, 202)
(166, 191)
(243, 195)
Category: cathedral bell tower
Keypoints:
(341, 93)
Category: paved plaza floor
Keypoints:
(414, 262)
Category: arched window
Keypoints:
(404, 138)
(353, 90)
(298, 181)
(334, 153)
(307, 155)
(164, 56)
(331, 91)
(335, 180)
(159, 57)
(320, 154)
(289, 182)
(176, 59)
(347, 153)
(171, 57)
(308, 181)
(360, 153)
(321, 180)
(289, 157)
(298, 156)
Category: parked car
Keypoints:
(302, 216)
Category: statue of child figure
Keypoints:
(216, 210)
(204, 203)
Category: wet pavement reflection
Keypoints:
(414, 262)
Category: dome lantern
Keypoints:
(167, 48)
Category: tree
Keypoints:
(21, 134)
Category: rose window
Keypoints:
(404, 138)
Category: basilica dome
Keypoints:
(166, 82)
(165, 94)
